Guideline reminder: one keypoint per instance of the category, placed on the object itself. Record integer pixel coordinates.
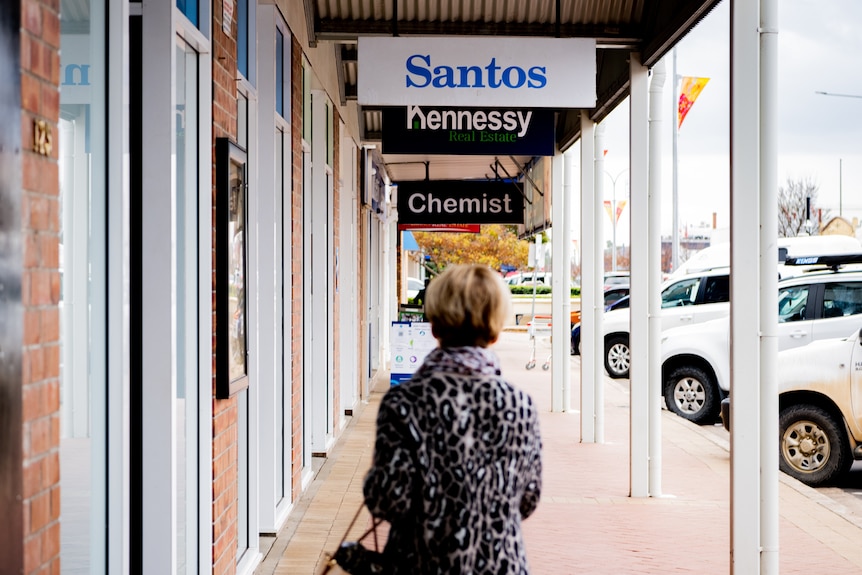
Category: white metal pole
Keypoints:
(674, 254)
(639, 298)
(614, 222)
(598, 348)
(561, 298)
(568, 193)
(588, 295)
(769, 286)
(745, 462)
(588, 271)
(655, 128)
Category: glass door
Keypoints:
(186, 401)
(82, 260)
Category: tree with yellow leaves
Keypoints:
(494, 245)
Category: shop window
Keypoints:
(246, 15)
(190, 9)
(330, 136)
(306, 101)
(279, 72)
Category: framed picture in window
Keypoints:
(231, 247)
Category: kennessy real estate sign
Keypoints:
(480, 72)
(482, 131)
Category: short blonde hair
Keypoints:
(467, 305)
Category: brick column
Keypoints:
(40, 285)
(225, 411)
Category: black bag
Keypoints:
(356, 559)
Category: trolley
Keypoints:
(539, 325)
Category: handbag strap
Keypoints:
(375, 521)
(330, 558)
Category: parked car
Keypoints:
(615, 293)
(820, 409)
(688, 299)
(617, 279)
(611, 302)
(696, 359)
(526, 278)
(414, 286)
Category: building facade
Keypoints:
(194, 279)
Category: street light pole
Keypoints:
(614, 216)
(840, 161)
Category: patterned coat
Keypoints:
(457, 466)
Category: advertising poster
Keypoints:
(410, 343)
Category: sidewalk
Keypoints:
(586, 523)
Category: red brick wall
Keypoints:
(40, 293)
(225, 411)
(296, 272)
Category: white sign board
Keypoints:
(410, 343)
(489, 71)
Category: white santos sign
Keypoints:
(481, 72)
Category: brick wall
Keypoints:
(40, 289)
(225, 411)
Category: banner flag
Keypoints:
(621, 205)
(689, 91)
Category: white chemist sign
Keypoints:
(483, 72)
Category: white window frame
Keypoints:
(251, 557)
(317, 335)
(274, 294)
(162, 24)
(348, 271)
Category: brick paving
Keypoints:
(586, 523)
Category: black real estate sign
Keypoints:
(471, 131)
(460, 202)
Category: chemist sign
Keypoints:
(471, 71)
(479, 131)
(460, 202)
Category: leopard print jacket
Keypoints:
(457, 466)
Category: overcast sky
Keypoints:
(820, 49)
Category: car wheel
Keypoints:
(690, 393)
(813, 447)
(618, 357)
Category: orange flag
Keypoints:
(689, 91)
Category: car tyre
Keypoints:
(813, 447)
(618, 357)
(691, 394)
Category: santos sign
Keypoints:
(522, 72)
(460, 202)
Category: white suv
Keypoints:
(696, 359)
(820, 420)
(689, 299)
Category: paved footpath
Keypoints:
(586, 523)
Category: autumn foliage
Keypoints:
(493, 246)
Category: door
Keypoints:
(795, 311)
(840, 310)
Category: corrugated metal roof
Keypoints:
(650, 27)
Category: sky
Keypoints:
(820, 136)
